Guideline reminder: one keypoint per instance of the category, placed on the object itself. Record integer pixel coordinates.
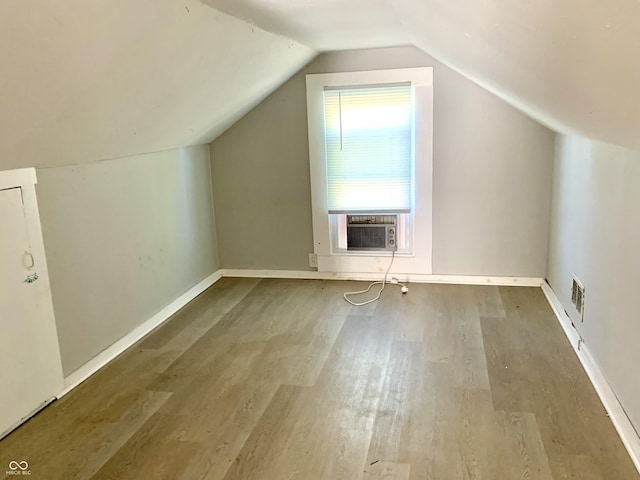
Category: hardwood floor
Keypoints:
(282, 379)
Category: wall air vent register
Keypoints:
(577, 296)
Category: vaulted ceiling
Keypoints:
(85, 80)
(574, 65)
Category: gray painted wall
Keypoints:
(123, 239)
(595, 233)
(492, 176)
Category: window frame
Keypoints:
(419, 259)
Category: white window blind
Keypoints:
(369, 148)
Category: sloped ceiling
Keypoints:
(85, 80)
(574, 65)
(325, 25)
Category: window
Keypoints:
(370, 153)
(369, 148)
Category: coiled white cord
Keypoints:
(346, 295)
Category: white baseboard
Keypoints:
(85, 371)
(96, 363)
(33, 413)
(370, 277)
(621, 422)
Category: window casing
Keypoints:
(329, 222)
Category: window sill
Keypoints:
(380, 253)
(373, 262)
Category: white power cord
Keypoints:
(404, 288)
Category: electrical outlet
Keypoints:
(313, 260)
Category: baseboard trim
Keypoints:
(96, 363)
(621, 422)
(103, 358)
(27, 417)
(370, 277)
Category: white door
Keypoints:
(30, 372)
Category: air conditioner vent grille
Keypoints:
(372, 219)
(372, 232)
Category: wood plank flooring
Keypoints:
(282, 379)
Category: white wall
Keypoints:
(492, 176)
(123, 239)
(595, 233)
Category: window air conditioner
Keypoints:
(371, 232)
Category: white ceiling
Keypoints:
(324, 25)
(574, 65)
(85, 80)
